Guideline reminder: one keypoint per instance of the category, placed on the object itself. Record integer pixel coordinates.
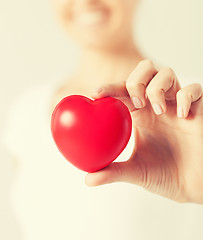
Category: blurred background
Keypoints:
(34, 48)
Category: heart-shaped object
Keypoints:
(91, 133)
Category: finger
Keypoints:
(163, 86)
(138, 80)
(115, 172)
(116, 90)
(185, 97)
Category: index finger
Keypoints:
(116, 90)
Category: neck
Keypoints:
(100, 66)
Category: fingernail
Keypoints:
(180, 113)
(137, 102)
(157, 109)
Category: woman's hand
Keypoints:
(168, 125)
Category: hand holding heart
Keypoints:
(168, 123)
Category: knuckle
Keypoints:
(183, 94)
(180, 94)
(168, 71)
(198, 86)
(153, 91)
(147, 64)
(130, 85)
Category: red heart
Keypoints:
(91, 134)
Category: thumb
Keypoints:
(115, 172)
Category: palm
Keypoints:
(166, 150)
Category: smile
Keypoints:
(91, 19)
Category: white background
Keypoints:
(34, 48)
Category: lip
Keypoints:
(90, 18)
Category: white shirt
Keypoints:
(52, 202)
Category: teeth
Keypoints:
(90, 18)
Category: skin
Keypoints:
(167, 119)
(167, 158)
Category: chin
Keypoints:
(95, 42)
(99, 38)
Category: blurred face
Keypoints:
(97, 23)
